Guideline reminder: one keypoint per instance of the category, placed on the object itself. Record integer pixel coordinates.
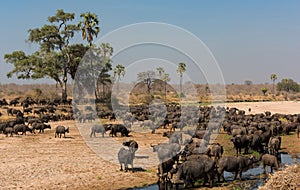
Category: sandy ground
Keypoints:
(40, 161)
(285, 107)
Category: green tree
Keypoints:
(264, 90)
(57, 37)
(105, 52)
(147, 77)
(273, 78)
(77, 52)
(119, 71)
(180, 70)
(35, 66)
(288, 85)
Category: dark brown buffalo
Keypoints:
(61, 130)
(193, 170)
(234, 164)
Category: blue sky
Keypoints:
(249, 39)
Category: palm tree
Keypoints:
(105, 52)
(273, 78)
(89, 26)
(119, 71)
(164, 77)
(180, 70)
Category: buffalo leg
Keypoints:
(271, 169)
(241, 175)
(264, 166)
(235, 175)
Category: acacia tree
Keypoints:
(119, 71)
(53, 59)
(288, 85)
(57, 37)
(273, 78)
(180, 70)
(147, 77)
(77, 52)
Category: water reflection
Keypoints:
(252, 176)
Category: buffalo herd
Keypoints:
(190, 154)
(29, 115)
(200, 157)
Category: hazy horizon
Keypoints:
(250, 40)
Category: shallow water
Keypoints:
(252, 176)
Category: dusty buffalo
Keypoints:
(61, 130)
(269, 160)
(215, 150)
(274, 145)
(125, 157)
(97, 129)
(174, 137)
(234, 164)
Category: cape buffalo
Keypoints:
(234, 164)
(132, 144)
(97, 129)
(193, 170)
(125, 157)
(61, 130)
(269, 160)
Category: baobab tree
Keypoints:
(180, 70)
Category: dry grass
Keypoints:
(234, 92)
(287, 179)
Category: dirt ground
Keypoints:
(40, 161)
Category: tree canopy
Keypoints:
(56, 57)
(147, 77)
(288, 85)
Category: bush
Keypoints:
(288, 85)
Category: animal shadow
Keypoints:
(69, 137)
(141, 157)
(138, 169)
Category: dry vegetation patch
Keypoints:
(287, 179)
